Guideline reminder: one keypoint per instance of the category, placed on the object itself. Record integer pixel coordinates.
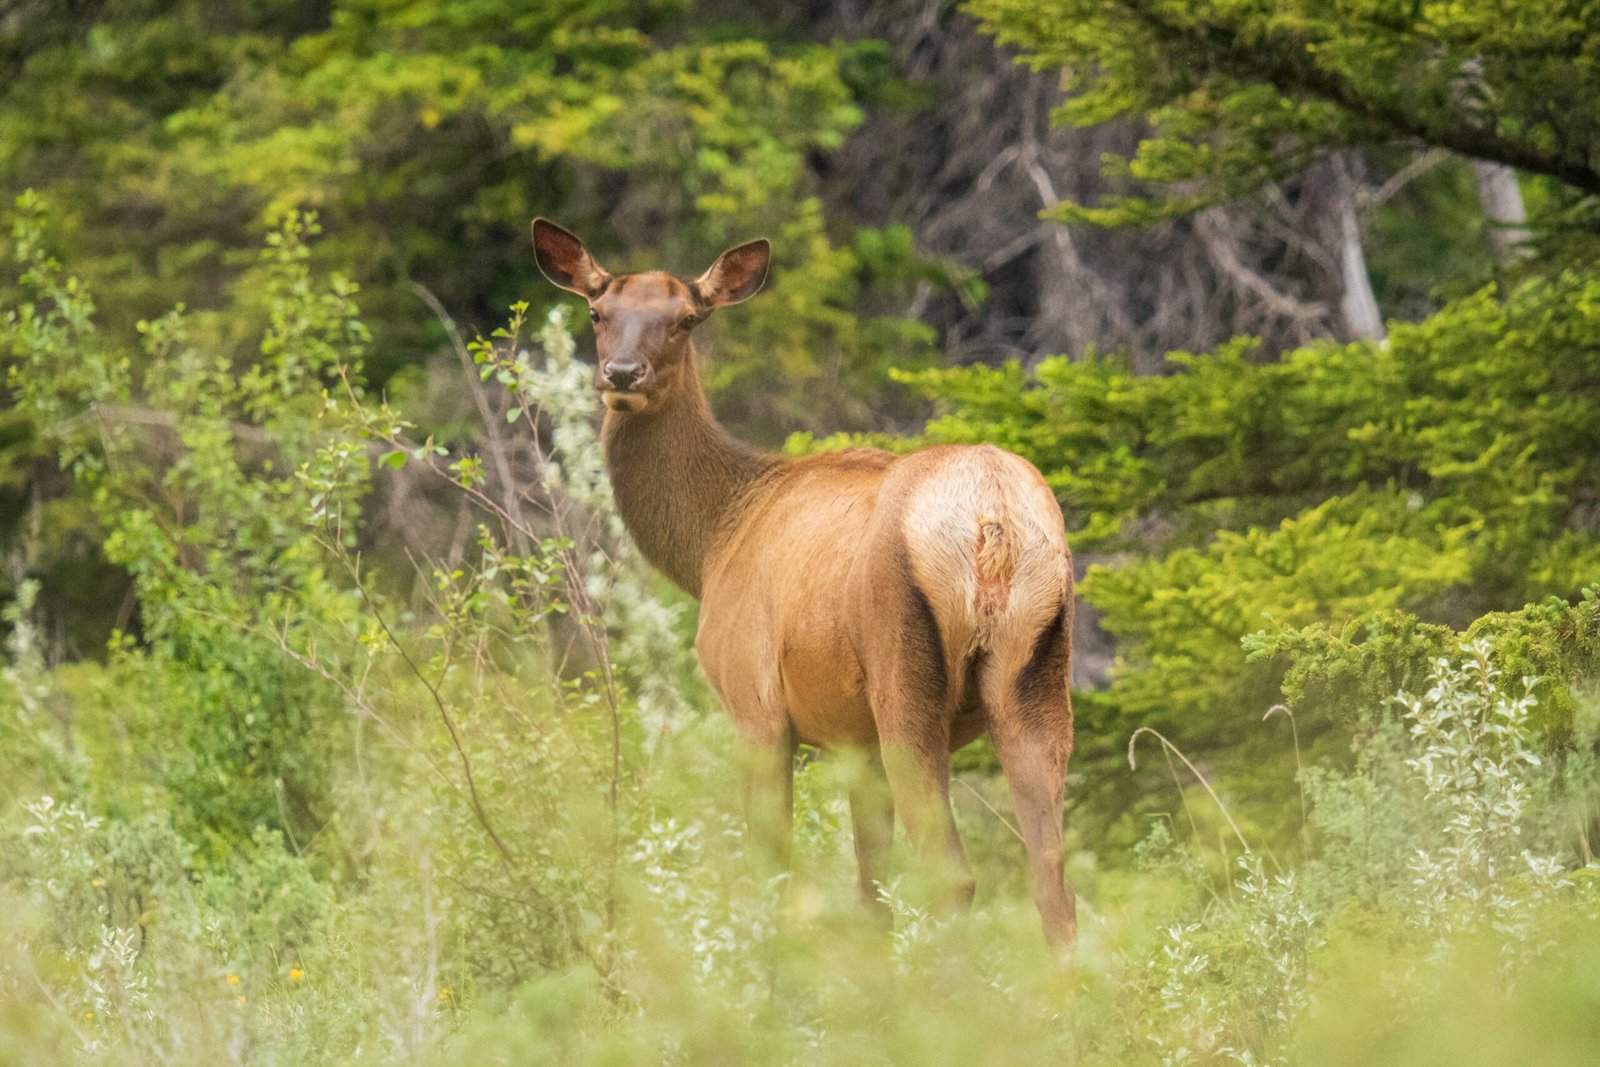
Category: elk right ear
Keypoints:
(565, 261)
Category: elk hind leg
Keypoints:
(1030, 713)
(913, 704)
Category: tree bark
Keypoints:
(1504, 210)
(1359, 305)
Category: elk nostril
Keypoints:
(624, 375)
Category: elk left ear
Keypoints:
(737, 275)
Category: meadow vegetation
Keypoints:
(312, 813)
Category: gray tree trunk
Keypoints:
(1359, 304)
(1504, 210)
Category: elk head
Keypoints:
(642, 321)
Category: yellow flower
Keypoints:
(97, 883)
(88, 1015)
(444, 994)
(233, 979)
(295, 974)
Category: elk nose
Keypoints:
(624, 375)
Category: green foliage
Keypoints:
(431, 134)
(191, 476)
(1429, 242)
(1240, 94)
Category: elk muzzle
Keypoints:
(624, 384)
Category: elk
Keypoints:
(899, 605)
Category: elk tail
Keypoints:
(997, 562)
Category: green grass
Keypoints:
(397, 935)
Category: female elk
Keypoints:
(901, 605)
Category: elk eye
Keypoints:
(594, 315)
(688, 321)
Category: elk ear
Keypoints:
(737, 275)
(565, 261)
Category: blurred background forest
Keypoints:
(338, 719)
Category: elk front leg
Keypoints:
(916, 757)
(766, 774)
(872, 814)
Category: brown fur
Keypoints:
(900, 605)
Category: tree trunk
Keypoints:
(1503, 209)
(1359, 304)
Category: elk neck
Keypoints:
(677, 476)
